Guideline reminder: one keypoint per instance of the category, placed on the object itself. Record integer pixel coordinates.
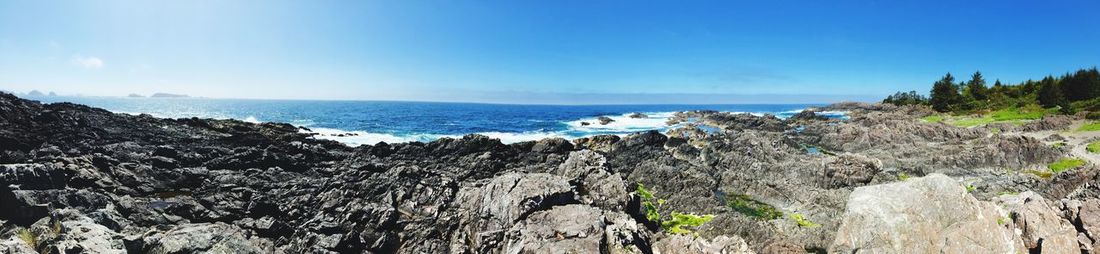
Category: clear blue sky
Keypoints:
(536, 51)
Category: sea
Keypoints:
(370, 122)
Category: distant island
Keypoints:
(134, 95)
(167, 95)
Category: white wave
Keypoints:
(356, 138)
(512, 137)
(251, 119)
(622, 123)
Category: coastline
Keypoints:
(140, 184)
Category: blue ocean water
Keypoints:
(369, 122)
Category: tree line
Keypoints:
(1069, 93)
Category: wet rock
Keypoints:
(604, 120)
(928, 214)
(637, 115)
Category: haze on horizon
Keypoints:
(559, 52)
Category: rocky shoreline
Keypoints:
(80, 179)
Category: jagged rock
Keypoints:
(928, 214)
(806, 115)
(14, 245)
(673, 244)
(604, 120)
(1042, 227)
(79, 233)
(637, 115)
(200, 238)
(562, 229)
(851, 169)
(601, 143)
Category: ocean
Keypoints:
(370, 122)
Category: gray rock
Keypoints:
(604, 120)
(1039, 221)
(676, 244)
(923, 215)
(201, 238)
(562, 229)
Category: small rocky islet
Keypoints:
(80, 179)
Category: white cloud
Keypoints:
(90, 62)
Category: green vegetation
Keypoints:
(1068, 93)
(756, 209)
(934, 118)
(1093, 147)
(970, 188)
(1002, 220)
(1045, 174)
(903, 176)
(1093, 126)
(677, 221)
(28, 237)
(1058, 145)
(802, 221)
(1065, 164)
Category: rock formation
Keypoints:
(80, 179)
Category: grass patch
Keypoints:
(756, 209)
(1065, 164)
(1093, 126)
(970, 188)
(803, 222)
(1058, 145)
(1093, 147)
(1033, 112)
(677, 221)
(1045, 174)
(28, 237)
(933, 118)
(1002, 221)
(1017, 116)
(903, 176)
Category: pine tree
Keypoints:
(976, 87)
(1050, 93)
(945, 96)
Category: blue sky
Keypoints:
(536, 51)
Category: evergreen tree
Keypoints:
(945, 96)
(976, 87)
(1050, 94)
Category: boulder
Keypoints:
(1039, 221)
(922, 215)
(604, 120)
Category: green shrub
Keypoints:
(756, 209)
(1094, 115)
(903, 176)
(1058, 145)
(1065, 164)
(970, 188)
(1093, 147)
(802, 221)
(677, 221)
